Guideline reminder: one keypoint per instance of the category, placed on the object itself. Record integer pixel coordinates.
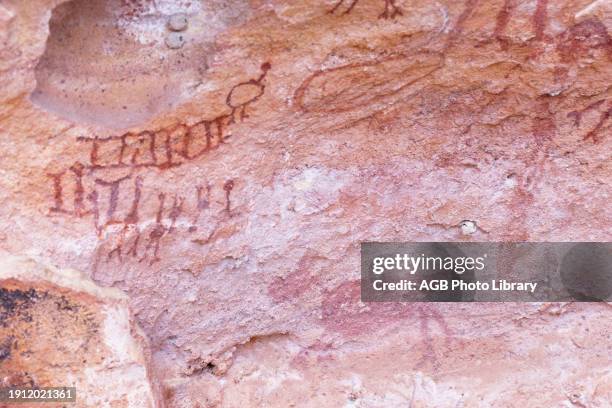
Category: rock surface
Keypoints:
(225, 184)
(59, 329)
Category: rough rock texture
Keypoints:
(58, 328)
(224, 175)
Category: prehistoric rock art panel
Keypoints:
(343, 312)
(391, 8)
(602, 109)
(402, 120)
(102, 202)
(173, 146)
(135, 152)
(539, 20)
(358, 85)
(246, 93)
(581, 38)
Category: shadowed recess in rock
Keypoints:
(117, 63)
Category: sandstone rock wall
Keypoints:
(223, 176)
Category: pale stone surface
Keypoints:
(233, 179)
(58, 328)
(178, 22)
